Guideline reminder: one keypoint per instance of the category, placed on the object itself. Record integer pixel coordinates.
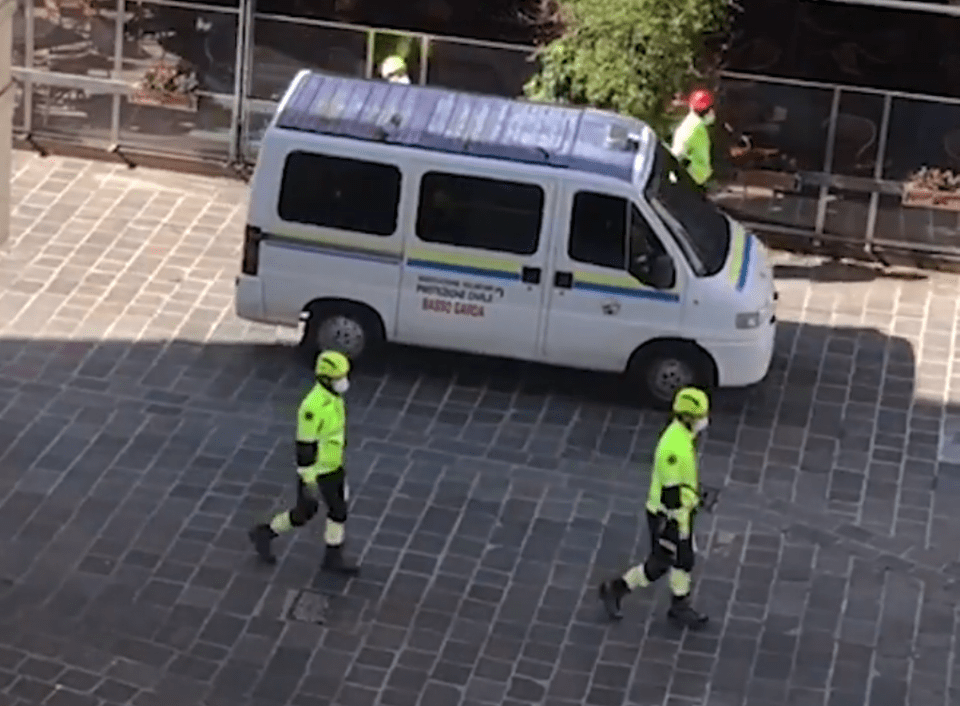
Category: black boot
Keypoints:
(611, 593)
(333, 561)
(683, 613)
(261, 536)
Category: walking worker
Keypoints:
(691, 139)
(672, 505)
(321, 437)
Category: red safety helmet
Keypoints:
(700, 100)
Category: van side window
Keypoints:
(476, 212)
(598, 230)
(335, 192)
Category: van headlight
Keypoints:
(748, 319)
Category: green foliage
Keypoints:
(631, 56)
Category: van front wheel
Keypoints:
(662, 369)
(351, 330)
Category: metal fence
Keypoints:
(802, 158)
(837, 163)
(78, 63)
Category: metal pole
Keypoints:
(371, 42)
(424, 50)
(236, 109)
(28, 39)
(878, 173)
(910, 5)
(118, 36)
(828, 161)
(248, 39)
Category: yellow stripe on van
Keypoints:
(737, 249)
(464, 263)
(624, 281)
(610, 284)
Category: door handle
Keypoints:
(530, 275)
(564, 280)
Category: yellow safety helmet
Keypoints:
(691, 402)
(332, 365)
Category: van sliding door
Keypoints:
(474, 265)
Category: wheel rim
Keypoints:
(343, 334)
(668, 376)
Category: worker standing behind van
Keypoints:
(691, 140)
(394, 70)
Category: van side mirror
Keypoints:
(657, 271)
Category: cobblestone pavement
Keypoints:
(144, 428)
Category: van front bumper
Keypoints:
(248, 298)
(746, 361)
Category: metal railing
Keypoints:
(92, 100)
(814, 160)
(835, 162)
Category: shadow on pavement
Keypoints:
(843, 272)
(490, 497)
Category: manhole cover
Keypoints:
(309, 607)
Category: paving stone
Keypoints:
(147, 427)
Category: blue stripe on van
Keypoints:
(464, 270)
(628, 292)
(745, 270)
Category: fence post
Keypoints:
(828, 162)
(878, 172)
(371, 44)
(424, 50)
(28, 42)
(240, 79)
(115, 103)
(249, 41)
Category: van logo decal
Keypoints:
(457, 289)
(443, 295)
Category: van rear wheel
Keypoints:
(662, 369)
(349, 329)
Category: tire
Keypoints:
(662, 369)
(347, 328)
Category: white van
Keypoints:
(431, 217)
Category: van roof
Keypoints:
(444, 120)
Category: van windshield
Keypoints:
(699, 227)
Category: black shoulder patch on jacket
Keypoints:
(672, 459)
(308, 415)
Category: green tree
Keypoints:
(631, 56)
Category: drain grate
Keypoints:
(309, 607)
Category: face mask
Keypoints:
(709, 118)
(340, 385)
(701, 425)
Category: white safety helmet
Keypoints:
(394, 69)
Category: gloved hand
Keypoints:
(708, 498)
